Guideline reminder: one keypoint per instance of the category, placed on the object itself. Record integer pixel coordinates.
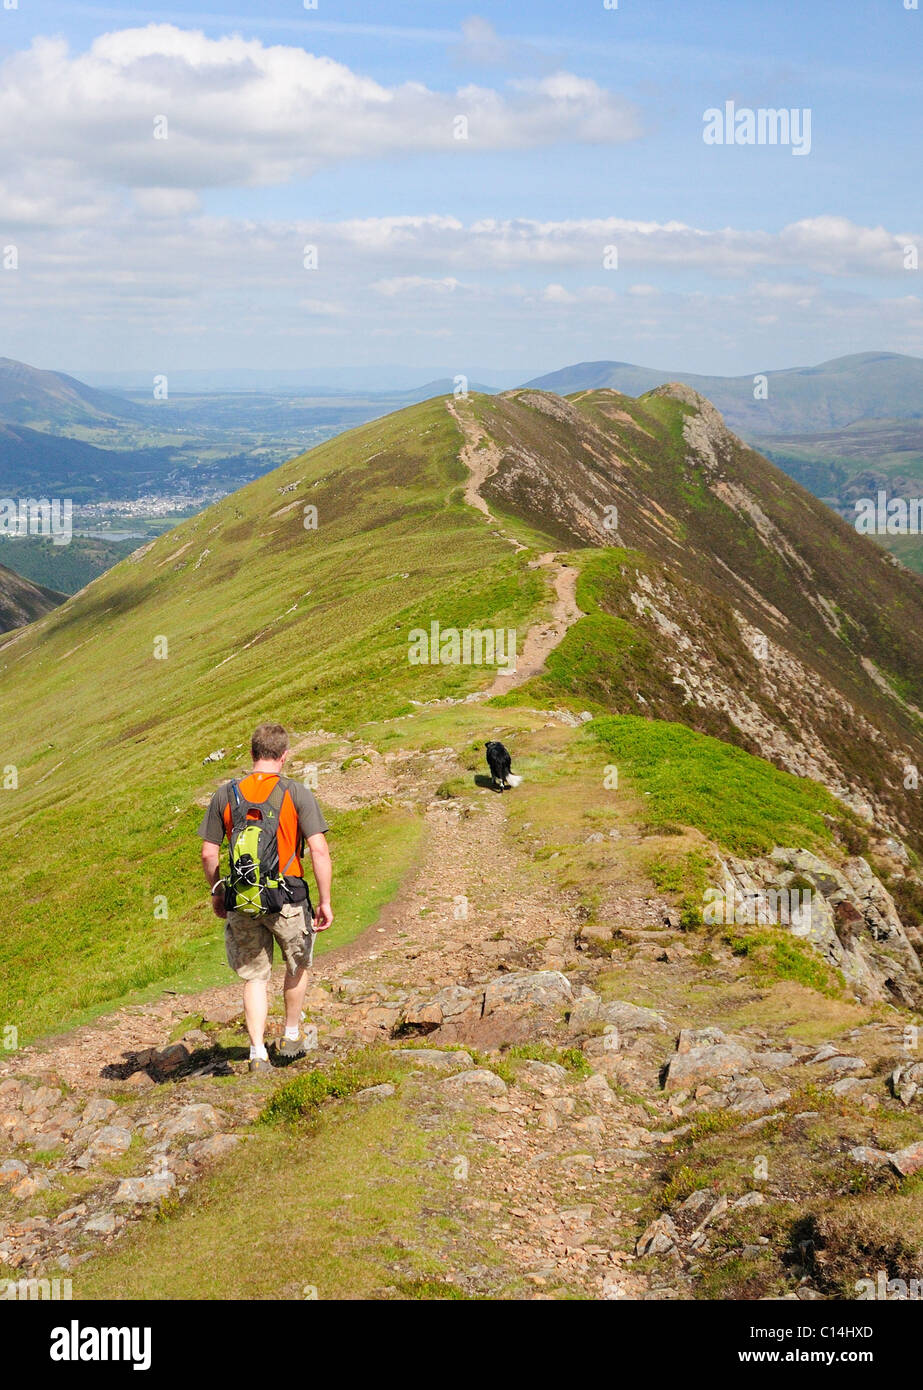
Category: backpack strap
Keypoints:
(299, 838)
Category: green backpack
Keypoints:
(254, 884)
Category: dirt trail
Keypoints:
(542, 639)
(477, 951)
(481, 457)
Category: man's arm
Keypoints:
(323, 873)
(211, 854)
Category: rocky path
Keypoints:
(481, 457)
(542, 639)
(473, 921)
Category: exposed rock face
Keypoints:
(619, 1014)
(709, 1060)
(850, 918)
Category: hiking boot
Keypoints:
(259, 1064)
(292, 1047)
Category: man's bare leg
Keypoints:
(256, 1007)
(294, 989)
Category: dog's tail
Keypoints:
(513, 780)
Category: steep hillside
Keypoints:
(844, 465)
(729, 597)
(865, 385)
(21, 601)
(35, 463)
(242, 610)
(64, 568)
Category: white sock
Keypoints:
(258, 1050)
(292, 1034)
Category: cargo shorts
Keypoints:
(249, 940)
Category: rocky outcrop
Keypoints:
(846, 914)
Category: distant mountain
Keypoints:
(21, 601)
(866, 385)
(31, 396)
(358, 381)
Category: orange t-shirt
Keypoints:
(257, 787)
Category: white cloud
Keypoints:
(241, 113)
(819, 246)
(480, 43)
(557, 294)
(323, 308)
(415, 284)
(134, 283)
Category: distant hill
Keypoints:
(840, 466)
(21, 601)
(827, 462)
(63, 569)
(29, 395)
(36, 463)
(866, 385)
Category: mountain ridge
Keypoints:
(703, 564)
(829, 395)
(527, 981)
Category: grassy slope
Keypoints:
(740, 802)
(262, 619)
(400, 1230)
(403, 516)
(354, 1202)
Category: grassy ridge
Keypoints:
(243, 613)
(262, 618)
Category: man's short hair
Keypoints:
(269, 741)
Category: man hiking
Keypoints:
(268, 819)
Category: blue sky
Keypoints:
(585, 131)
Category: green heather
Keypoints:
(742, 803)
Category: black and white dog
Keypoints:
(499, 762)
